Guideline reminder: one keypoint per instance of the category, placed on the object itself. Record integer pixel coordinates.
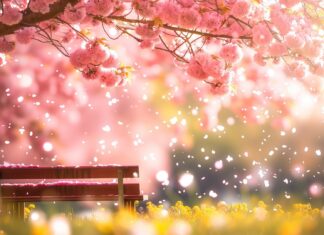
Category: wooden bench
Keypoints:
(14, 195)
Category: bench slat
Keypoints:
(66, 189)
(67, 172)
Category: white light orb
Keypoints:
(186, 180)
(48, 147)
(162, 176)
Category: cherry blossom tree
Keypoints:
(207, 37)
(255, 58)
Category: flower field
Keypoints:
(221, 218)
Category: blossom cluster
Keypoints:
(285, 31)
(96, 61)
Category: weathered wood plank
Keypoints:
(66, 189)
(67, 172)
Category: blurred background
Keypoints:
(264, 139)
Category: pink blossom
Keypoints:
(189, 17)
(294, 41)
(109, 78)
(120, 8)
(210, 65)
(202, 58)
(11, 15)
(240, 8)
(25, 35)
(147, 32)
(236, 30)
(100, 7)
(231, 53)
(112, 60)
(215, 68)
(91, 72)
(68, 36)
(225, 78)
(261, 35)
(219, 87)
(73, 15)
(168, 12)
(79, 58)
(298, 69)
(50, 25)
(195, 69)
(259, 59)
(6, 46)
(211, 21)
(147, 43)
(96, 52)
(20, 4)
(313, 48)
(281, 21)
(319, 69)
(145, 8)
(277, 49)
(40, 6)
(230, 2)
(186, 3)
(289, 3)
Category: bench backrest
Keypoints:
(68, 172)
(13, 194)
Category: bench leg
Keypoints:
(13, 209)
(129, 205)
(120, 189)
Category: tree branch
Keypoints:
(30, 18)
(173, 28)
